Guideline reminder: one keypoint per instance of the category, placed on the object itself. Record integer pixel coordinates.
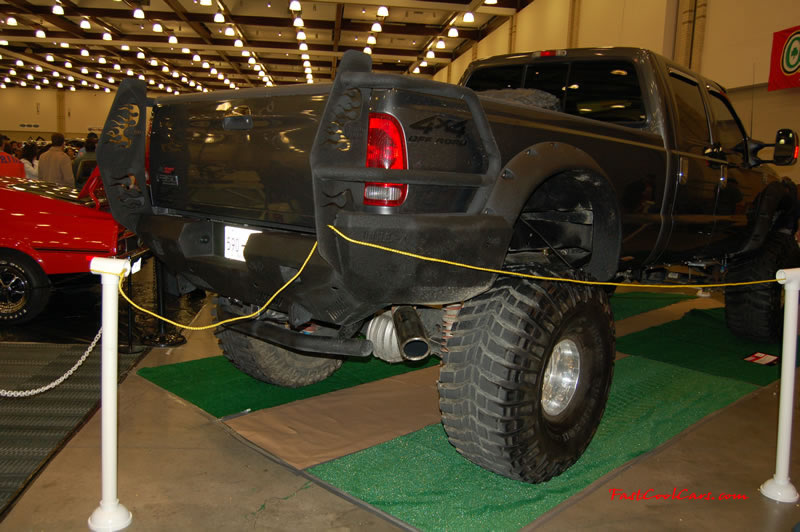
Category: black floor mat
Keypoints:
(33, 429)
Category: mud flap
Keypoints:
(121, 154)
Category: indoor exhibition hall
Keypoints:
(435, 265)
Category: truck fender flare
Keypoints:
(776, 207)
(24, 249)
(531, 167)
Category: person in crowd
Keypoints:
(30, 159)
(89, 136)
(88, 155)
(11, 166)
(55, 166)
(11, 147)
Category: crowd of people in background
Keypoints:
(53, 162)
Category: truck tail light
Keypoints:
(385, 194)
(386, 146)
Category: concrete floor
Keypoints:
(181, 469)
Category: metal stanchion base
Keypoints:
(114, 517)
(131, 349)
(779, 491)
(164, 340)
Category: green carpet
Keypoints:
(422, 480)
(701, 341)
(627, 304)
(216, 386)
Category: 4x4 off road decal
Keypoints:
(439, 124)
(127, 118)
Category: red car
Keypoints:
(49, 229)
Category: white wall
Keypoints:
(638, 23)
(28, 112)
(542, 25)
(738, 39)
(86, 111)
(496, 43)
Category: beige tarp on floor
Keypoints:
(315, 430)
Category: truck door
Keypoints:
(738, 185)
(696, 171)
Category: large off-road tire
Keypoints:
(270, 363)
(526, 376)
(24, 288)
(756, 311)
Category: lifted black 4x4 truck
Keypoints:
(596, 164)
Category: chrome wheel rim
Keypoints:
(561, 377)
(13, 290)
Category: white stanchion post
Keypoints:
(110, 515)
(779, 487)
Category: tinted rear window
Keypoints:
(505, 77)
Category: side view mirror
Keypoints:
(786, 148)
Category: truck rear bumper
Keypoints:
(355, 283)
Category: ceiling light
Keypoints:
(60, 85)
(269, 83)
(301, 35)
(226, 81)
(371, 39)
(307, 70)
(196, 58)
(98, 75)
(172, 39)
(102, 60)
(23, 84)
(238, 43)
(165, 68)
(440, 44)
(151, 81)
(423, 63)
(124, 47)
(157, 27)
(452, 32)
(295, 6)
(41, 34)
(205, 64)
(19, 63)
(141, 77)
(153, 62)
(377, 27)
(7, 79)
(298, 22)
(85, 52)
(219, 18)
(175, 74)
(303, 47)
(383, 11)
(160, 85)
(38, 68)
(184, 79)
(220, 76)
(38, 88)
(3, 42)
(84, 82)
(138, 13)
(129, 72)
(117, 67)
(67, 64)
(229, 31)
(56, 74)
(245, 53)
(140, 55)
(84, 70)
(57, 9)
(185, 51)
(305, 56)
(206, 2)
(29, 76)
(309, 76)
(212, 71)
(468, 17)
(110, 79)
(416, 70)
(490, 2)
(430, 54)
(49, 57)
(257, 68)
(11, 21)
(192, 83)
(70, 78)
(251, 61)
(368, 50)
(306, 63)
(107, 36)
(72, 88)
(169, 89)
(85, 24)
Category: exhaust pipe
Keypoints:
(410, 334)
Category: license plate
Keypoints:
(235, 241)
